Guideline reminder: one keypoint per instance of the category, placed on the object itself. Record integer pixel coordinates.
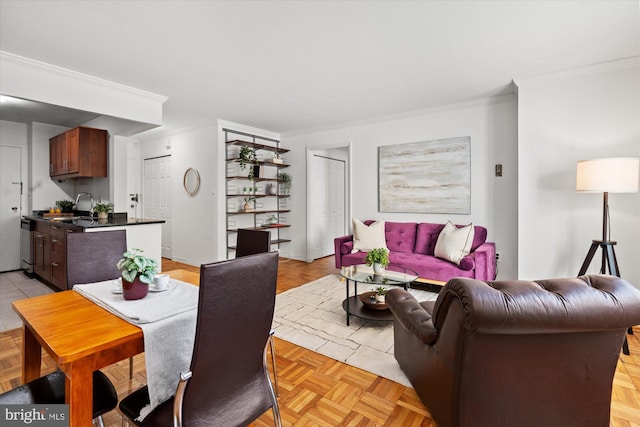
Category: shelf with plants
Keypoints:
(256, 187)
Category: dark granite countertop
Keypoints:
(95, 222)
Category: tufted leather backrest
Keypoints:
(92, 257)
(515, 353)
(235, 311)
(586, 303)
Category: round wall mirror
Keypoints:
(191, 181)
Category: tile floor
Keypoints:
(14, 285)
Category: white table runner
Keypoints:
(168, 323)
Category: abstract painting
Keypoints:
(426, 177)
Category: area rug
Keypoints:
(312, 317)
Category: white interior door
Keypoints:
(327, 204)
(156, 196)
(10, 208)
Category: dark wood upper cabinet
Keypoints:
(78, 153)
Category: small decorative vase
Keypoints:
(103, 215)
(378, 268)
(134, 290)
(247, 206)
(380, 299)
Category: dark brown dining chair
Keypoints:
(50, 390)
(92, 257)
(251, 242)
(228, 383)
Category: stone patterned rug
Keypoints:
(312, 317)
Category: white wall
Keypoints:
(586, 114)
(194, 232)
(491, 124)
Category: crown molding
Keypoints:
(602, 67)
(32, 63)
(489, 100)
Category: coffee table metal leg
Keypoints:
(347, 302)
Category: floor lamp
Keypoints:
(607, 175)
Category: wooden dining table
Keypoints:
(81, 337)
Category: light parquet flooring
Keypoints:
(318, 391)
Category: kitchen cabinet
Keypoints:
(50, 258)
(264, 191)
(78, 153)
(42, 251)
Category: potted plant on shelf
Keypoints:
(247, 201)
(137, 272)
(103, 209)
(65, 205)
(378, 258)
(285, 178)
(380, 292)
(247, 159)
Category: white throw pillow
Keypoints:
(454, 243)
(367, 237)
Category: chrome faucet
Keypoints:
(84, 194)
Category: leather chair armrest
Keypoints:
(411, 315)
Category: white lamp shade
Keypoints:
(611, 175)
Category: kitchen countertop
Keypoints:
(96, 223)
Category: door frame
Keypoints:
(310, 151)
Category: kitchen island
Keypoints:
(49, 241)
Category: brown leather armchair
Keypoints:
(515, 353)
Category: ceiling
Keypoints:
(287, 66)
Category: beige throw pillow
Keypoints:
(454, 243)
(367, 237)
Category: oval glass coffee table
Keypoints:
(392, 275)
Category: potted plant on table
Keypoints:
(380, 292)
(103, 209)
(137, 272)
(378, 258)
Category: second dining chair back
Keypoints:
(92, 257)
(251, 242)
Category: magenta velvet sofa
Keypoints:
(412, 245)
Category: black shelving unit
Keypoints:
(237, 179)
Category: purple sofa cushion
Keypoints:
(428, 236)
(429, 267)
(401, 236)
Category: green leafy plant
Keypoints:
(380, 290)
(247, 158)
(285, 178)
(377, 256)
(134, 265)
(249, 199)
(103, 207)
(65, 205)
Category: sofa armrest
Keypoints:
(485, 259)
(411, 315)
(337, 243)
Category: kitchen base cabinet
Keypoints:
(50, 261)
